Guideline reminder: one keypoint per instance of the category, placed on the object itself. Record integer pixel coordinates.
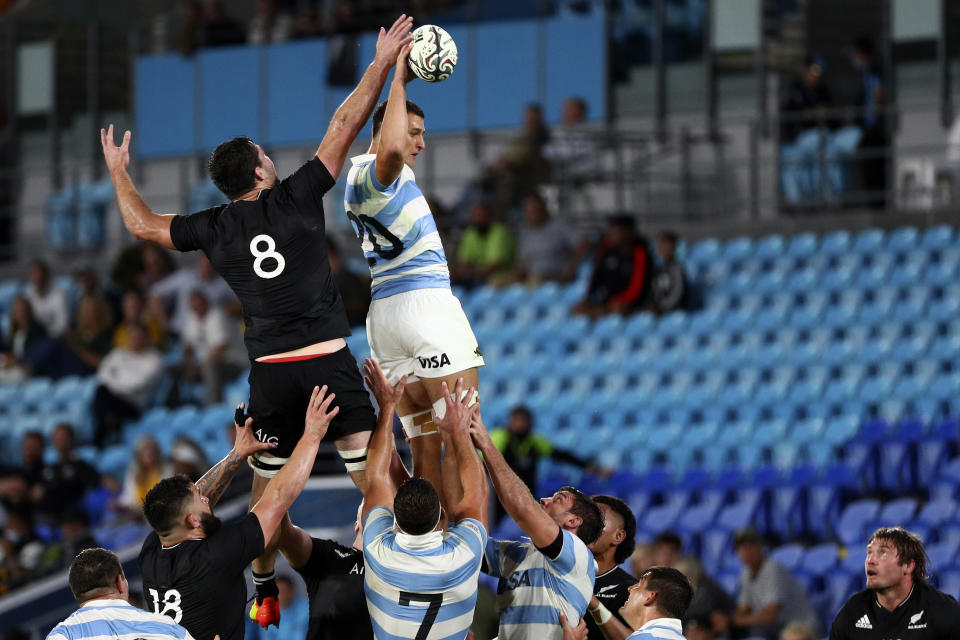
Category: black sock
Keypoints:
(266, 585)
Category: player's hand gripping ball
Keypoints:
(434, 53)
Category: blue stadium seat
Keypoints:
(950, 582)
(903, 239)
(851, 529)
(705, 251)
(870, 241)
(788, 555)
(770, 247)
(820, 560)
(836, 243)
(941, 555)
(802, 245)
(738, 249)
(938, 237)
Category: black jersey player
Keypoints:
(192, 566)
(269, 245)
(898, 602)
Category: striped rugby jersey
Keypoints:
(534, 590)
(421, 587)
(115, 618)
(397, 231)
(659, 629)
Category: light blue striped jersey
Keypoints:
(115, 618)
(534, 590)
(421, 587)
(659, 629)
(397, 231)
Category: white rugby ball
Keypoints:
(434, 53)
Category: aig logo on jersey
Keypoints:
(915, 622)
(434, 362)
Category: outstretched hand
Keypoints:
(478, 430)
(389, 43)
(403, 73)
(459, 413)
(117, 158)
(319, 414)
(387, 395)
(246, 444)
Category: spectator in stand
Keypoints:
(211, 347)
(126, 377)
(146, 469)
(572, 150)
(547, 251)
(20, 549)
(24, 335)
(20, 485)
(188, 459)
(806, 102)
(64, 482)
(354, 289)
(176, 288)
(75, 536)
(669, 284)
(521, 167)
(642, 558)
(486, 249)
(770, 596)
(92, 337)
(140, 266)
(622, 272)
(49, 302)
(135, 312)
(294, 611)
(269, 25)
(871, 101)
(522, 449)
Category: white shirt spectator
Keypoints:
(131, 374)
(179, 285)
(212, 330)
(545, 250)
(50, 308)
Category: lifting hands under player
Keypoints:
(462, 470)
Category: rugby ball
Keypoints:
(433, 56)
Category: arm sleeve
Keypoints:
(554, 549)
(379, 520)
(316, 564)
(473, 535)
(306, 186)
(637, 278)
(491, 557)
(192, 232)
(235, 546)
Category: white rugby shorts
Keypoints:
(422, 333)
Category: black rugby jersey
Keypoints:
(338, 606)
(200, 583)
(611, 590)
(926, 614)
(272, 251)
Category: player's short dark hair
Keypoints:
(673, 590)
(93, 573)
(416, 507)
(591, 517)
(668, 538)
(232, 164)
(619, 507)
(909, 547)
(164, 503)
(381, 110)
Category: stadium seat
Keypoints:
(938, 237)
(941, 555)
(802, 245)
(852, 526)
(819, 561)
(835, 243)
(870, 241)
(788, 555)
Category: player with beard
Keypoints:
(192, 566)
(898, 601)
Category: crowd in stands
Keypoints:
(818, 137)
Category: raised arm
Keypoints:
(513, 493)
(296, 545)
(395, 126)
(284, 487)
(138, 218)
(380, 488)
(456, 424)
(215, 481)
(353, 114)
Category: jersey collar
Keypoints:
(422, 542)
(672, 623)
(362, 158)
